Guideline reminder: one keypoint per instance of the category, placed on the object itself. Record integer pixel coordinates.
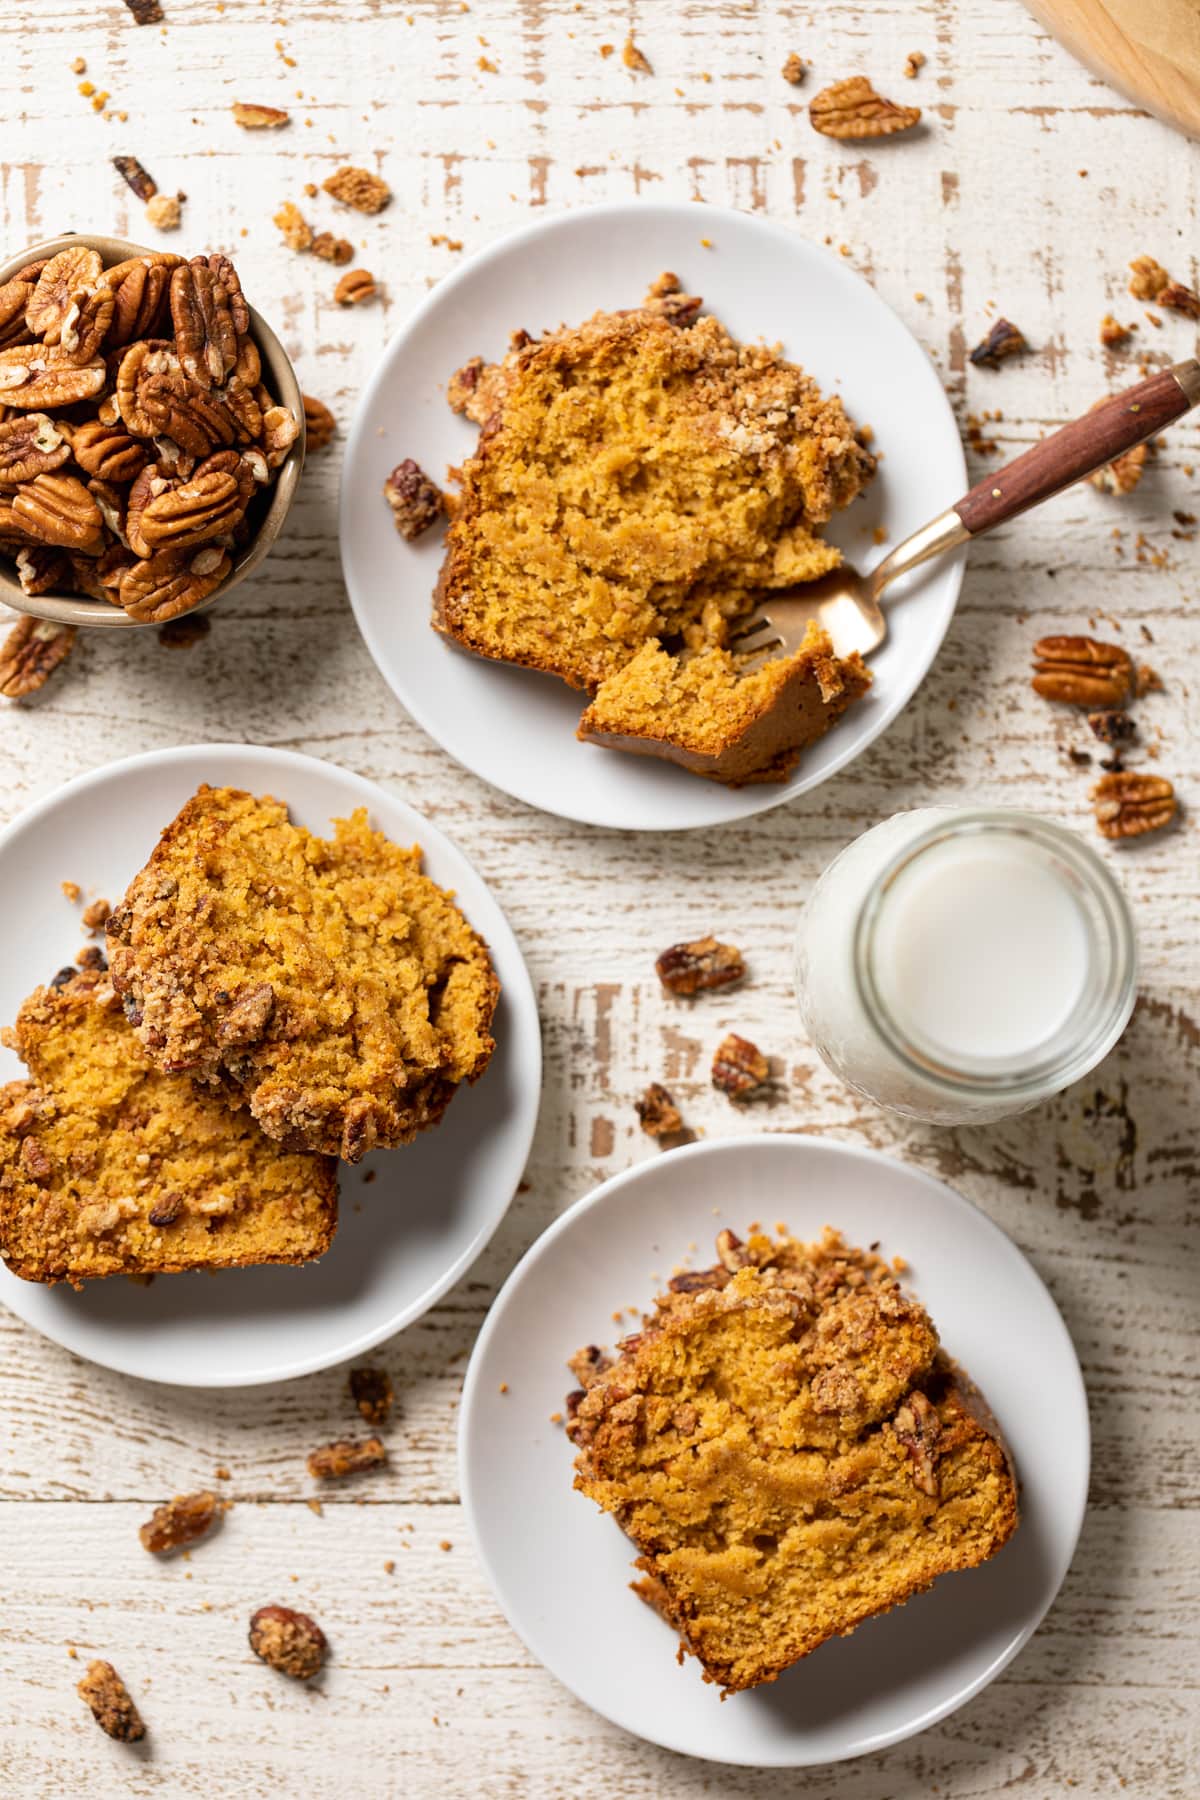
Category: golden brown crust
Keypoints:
(790, 1452)
(327, 984)
(109, 1167)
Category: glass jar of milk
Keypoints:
(959, 966)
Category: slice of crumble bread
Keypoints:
(110, 1167)
(790, 1451)
(327, 984)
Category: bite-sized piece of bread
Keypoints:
(637, 477)
(790, 1452)
(326, 983)
(702, 713)
(109, 1167)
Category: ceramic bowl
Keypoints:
(279, 377)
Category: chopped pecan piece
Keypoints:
(332, 249)
(794, 69)
(739, 1068)
(288, 1641)
(1112, 333)
(183, 1520)
(1128, 804)
(1122, 476)
(348, 1456)
(1178, 298)
(371, 1391)
(30, 654)
(1081, 671)
(731, 1251)
(319, 423)
(355, 288)
(415, 502)
(297, 232)
(919, 1429)
(852, 109)
(1147, 680)
(248, 1017)
(259, 118)
(695, 1281)
(1148, 278)
(634, 59)
(657, 1112)
(145, 12)
(95, 914)
(1002, 341)
(135, 176)
(358, 188)
(109, 1699)
(914, 62)
(700, 964)
(1112, 726)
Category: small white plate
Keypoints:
(561, 1568)
(516, 728)
(404, 1237)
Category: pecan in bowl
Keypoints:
(151, 432)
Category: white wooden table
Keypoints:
(1027, 194)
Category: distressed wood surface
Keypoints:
(1026, 192)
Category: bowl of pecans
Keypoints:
(151, 432)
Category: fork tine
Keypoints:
(750, 628)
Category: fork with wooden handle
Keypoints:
(847, 603)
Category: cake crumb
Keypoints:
(72, 890)
(635, 59)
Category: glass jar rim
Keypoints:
(1016, 1077)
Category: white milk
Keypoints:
(960, 966)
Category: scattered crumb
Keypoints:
(389, 1567)
(95, 913)
(78, 66)
(445, 1544)
(163, 212)
(295, 229)
(504, 1387)
(72, 890)
(1113, 334)
(914, 61)
(221, 1473)
(633, 58)
(794, 69)
(487, 66)
(316, 1507)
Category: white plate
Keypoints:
(516, 728)
(431, 1207)
(561, 1568)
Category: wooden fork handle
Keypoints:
(1111, 428)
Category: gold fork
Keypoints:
(847, 603)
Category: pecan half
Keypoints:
(852, 109)
(145, 12)
(1003, 340)
(1081, 671)
(739, 1068)
(66, 279)
(358, 188)
(183, 1520)
(348, 1456)
(139, 289)
(171, 582)
(15, 296)
(30, 444)
(30, 654)
(288, 1641)
(194, 512)
(156, 398)
(355, 288)
(107, 451)
(919, 1430)
(57, 509)
(43, 569)
(33, 376)
(371, 1391)
(415, 502)
(700, 964)
(134, 176)
(259, 118)
(1128, 804)
(657, 1112)
(280, 429)
(319, 424)
(206, 319)
(111, 1703)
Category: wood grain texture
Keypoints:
(983, 211)
(1149, 49)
